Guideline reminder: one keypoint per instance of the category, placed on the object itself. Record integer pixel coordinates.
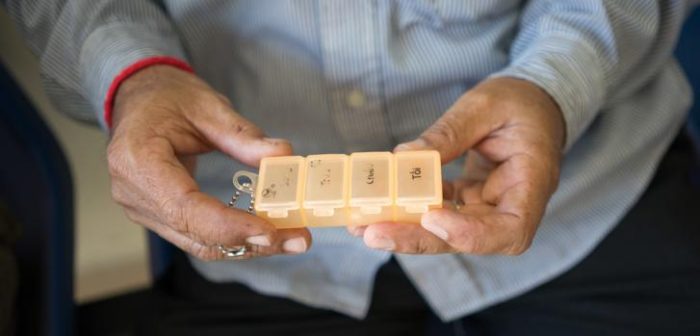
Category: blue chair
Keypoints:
(36, 185)
(161, 253)
(688, 53)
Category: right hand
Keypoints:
(163, 117)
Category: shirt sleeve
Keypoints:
(84, 45)
(584, 52)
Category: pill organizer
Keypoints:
(336, 189)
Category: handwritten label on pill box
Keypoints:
(370, 177)
(415, 176)
(325, 178)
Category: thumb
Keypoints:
(239, 138)
(458, 130)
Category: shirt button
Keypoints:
(355, 99)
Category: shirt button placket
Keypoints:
(353, 74)
(355, 99)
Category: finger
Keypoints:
(479, 229)
(209, 221)
(522, 186)
(182, 241)
(173, 197)
(460, 128)
(289, 241)
(499, 215)
(236, 136)
(520, 171)
(477, 167)
(404, 238)
(471, 193)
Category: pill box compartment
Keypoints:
(326, 196)
(418, 184)
(371, 187)
(278, 197)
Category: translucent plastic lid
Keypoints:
(279, 185)
(371, 183)
(418, 180)
(326, 183)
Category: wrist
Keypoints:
(137, 77)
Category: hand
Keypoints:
(163, 118)
(514, 133)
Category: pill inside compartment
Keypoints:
(326, 195)
(418, 184)
(371, 187)
(278, 196)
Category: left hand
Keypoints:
(515, 133)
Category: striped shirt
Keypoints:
(340, 76)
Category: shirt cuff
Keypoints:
(113, 53)
(570, 72)
(130, 70)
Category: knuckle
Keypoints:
(115, 159)
(150, 154)
(210, 100)
(223, 99)
(207, 98)
(118, 195)
(201, 100)
(178, 213)
(171, 210)
(201, 251)
(446, 131)
(257, 250)
(424, 246)
(481, 100)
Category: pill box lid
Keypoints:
(280, 183)
(418, 178)
(371, 179)
(326, 181)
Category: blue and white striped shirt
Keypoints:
(342, 76)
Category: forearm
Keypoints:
(84, 45)
(583, 52)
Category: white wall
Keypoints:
(110, 250)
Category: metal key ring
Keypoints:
(243, 181)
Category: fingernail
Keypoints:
(412, 145)
(383, 243)
(261, 240)
(358, 231)
(275, 141)
(295, 245)
(435, 229)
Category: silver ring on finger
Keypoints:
(235, 252)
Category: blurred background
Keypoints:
(110, 251)
(111, 254)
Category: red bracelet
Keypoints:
(132, 69)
